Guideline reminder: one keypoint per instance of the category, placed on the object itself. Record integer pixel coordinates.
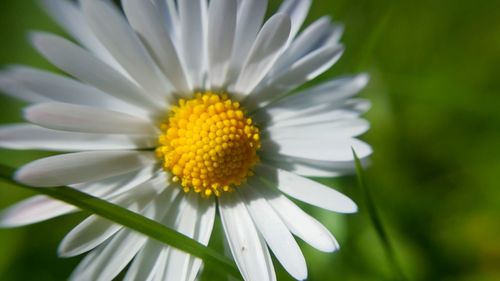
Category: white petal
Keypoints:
(326, 93)
(319, 149)
(89, 234)
(221, 28)
(338, 167)
(204, 227)
(112, 29)
(113, 186)
(82, 167)
(70, 17)
(322, 114)
(87, 68)
(9, 86)
(151, 259)
(148, 263)
(248, 22)
(193, 20)
(26, 136)
(106, 261)
(147, 20)
(95, 230)
(170, 17)
(78, 118)
(300, 72)
(276, 233)
(266, 49)
(297, 10)
(32, 210)
(298, 222)
(324, 130)
(63, 89)
(307, 190)
(302, 169)
(315, 36)
(195, 221)
(247, 246)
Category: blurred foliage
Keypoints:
(435, 131)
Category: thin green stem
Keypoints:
(376, 220)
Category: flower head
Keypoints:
(175, 108)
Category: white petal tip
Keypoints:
(349, 207)
(26, 175)
(64, 252)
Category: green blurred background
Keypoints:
(435, 88)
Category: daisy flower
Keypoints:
(176, 109)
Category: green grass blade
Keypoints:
(375, 219)
(131, 220)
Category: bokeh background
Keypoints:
(435, 173)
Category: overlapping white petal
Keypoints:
(275, 232)
(79, 118)
(63, 89)
(26, 136)
(69, 16)
(307, 190)
(248, 23)
(86, 67)
(247, 246)
(266, 49)
(95, 230)
(298, 222)
(114, 32)
(221, 33)
(193, 39)
(147, 21)
(82, 167)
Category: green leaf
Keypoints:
(375, 219)
(131, 220)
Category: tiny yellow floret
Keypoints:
(208, 144)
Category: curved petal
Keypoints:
(81, 167)
(221, 28)
(329, 92)
(10, 87)
(193, 23)
(318, 149)
(315, 36)
(27, 136)
(86, 67)
(111, 187)
(147, 20)
(32, 210)
(275, 232)
(114, 32)
(299, 222)
(266, 49)
(247, 246)
(69, 16)
(85, 119)
(195, 221)
(95, 230)
(314, 127)
(307, 190)
(63, 89)
(297, 10)
(248, 23)
(300, 72)
(106, 261)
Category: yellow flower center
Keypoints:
(208, 144)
